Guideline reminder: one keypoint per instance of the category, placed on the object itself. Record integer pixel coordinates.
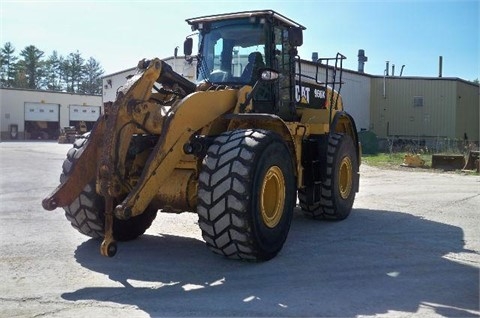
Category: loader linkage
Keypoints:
(133, 112)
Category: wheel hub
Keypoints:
(272, 197)
(345, 178)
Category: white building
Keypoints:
(112, 82)
(35, 114)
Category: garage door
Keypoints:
(41, 112)
(84, 113)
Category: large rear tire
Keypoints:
(338, 191)
(246, 194)
(86, 213)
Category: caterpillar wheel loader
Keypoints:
(236, 147)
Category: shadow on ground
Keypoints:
(372, 263)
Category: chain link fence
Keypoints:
(437, 145)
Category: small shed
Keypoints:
(426, 109)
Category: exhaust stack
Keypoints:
(361, 60)
(440, 66)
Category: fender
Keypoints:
(262, 121)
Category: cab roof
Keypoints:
(245, 14)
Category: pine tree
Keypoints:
(92, 82)
(57, 73)
(32, 65)
(72, 69)
(53, 74)
(7, 65)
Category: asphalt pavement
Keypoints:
(410, 248)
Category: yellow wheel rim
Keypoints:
(272, 197)
(345, 178)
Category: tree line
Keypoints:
(31, 69)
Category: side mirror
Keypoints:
(295, 37)
(188, 46)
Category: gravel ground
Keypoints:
(410, 248)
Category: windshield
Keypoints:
(232, 53)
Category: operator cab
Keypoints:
(234, 47)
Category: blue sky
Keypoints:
(119, 33)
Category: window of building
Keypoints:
(417, 101)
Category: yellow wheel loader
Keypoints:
(236, 147)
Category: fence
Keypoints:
(396, 144)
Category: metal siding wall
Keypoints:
(12, 109)
(182, 67)
(356, 98)
(467, 111)
(112, 83)
(376, 123)
(436, 118)
(442, 108)
(355, 94)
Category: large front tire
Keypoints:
(246, 194)
(338, 190)
(87, 212)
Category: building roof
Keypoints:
(119, 72)
(429, 78)
(401, 77)
(47, 91)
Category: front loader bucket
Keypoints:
(472, 161)
(448, 162)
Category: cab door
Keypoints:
(284, 63)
